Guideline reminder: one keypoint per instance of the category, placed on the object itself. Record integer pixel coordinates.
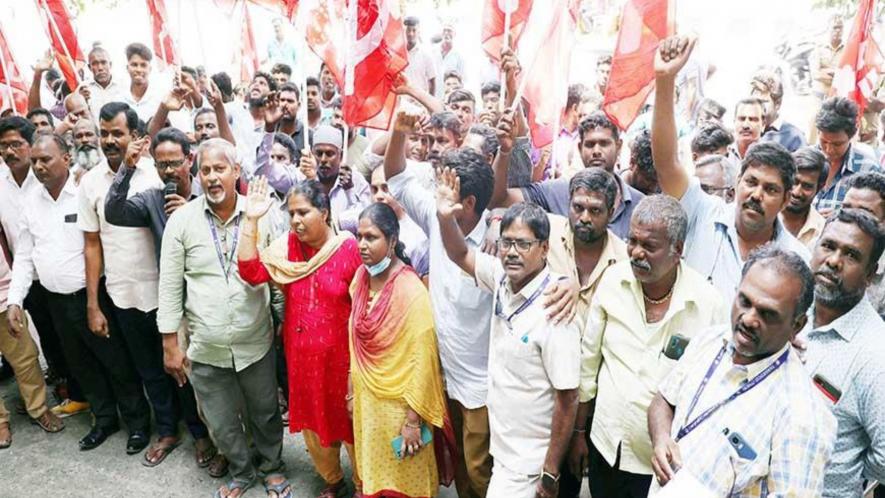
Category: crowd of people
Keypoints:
(679, 309)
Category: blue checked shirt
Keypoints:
(860, 158)
(783, 418)
(848, 353)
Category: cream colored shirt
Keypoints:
(622, 356)
(811, 230)
(561, 259)
(130, 264)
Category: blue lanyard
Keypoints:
(225, 266)
(499, 308)
(755, 381)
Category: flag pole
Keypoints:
(349, 33)
(64, 45)
(503, 75)
(303, 109)
(8, 79)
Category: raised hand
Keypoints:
(174, 100)
(448, 193)
(214, 95)
(672, 54)
(345, 177)
(401, 85)
(45, 62)
(85, 92)
(273, 112)
(135, 149)
(506, 131)
(308, 165)
(258, 199)
(406, 123)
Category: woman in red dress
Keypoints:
(314, 266)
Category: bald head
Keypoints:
(76, 106)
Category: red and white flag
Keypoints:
(249, 52)
(494, 15)
(63, 39)
(545, 83)
(323, 24)
(857, 72)
(644, 23)
(164, 45)
(13, 90)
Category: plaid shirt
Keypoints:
(783, 418)
(860, 158)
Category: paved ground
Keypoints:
(38, 461)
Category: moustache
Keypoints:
(641, 264)
(754, 205)
(830, 275)
(740, 327)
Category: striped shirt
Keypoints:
(860, 158)
(783, 419)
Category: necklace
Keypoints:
(662, 300)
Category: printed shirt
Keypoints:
(783, 419)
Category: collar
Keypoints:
(727, 219)
(531, 287)
(626, 192)
(479, 231)
(848, 325)
(814, 222)
(608, 256)
(30, 178)
(239, 209)
(70, 188)
(682, 293)
(777, 124)
(753, 369)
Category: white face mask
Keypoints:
(379, 267)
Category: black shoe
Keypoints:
(96, 437)
(138, 440)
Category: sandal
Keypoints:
(204, 452)
(49, 422)
(218, 466)
(7, 441)
(232, 486)
(279, 490)
(160, 450)
(334, 490)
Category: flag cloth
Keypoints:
(249, 53)
(322, 22)
(857, 72)
(63, 39)
(644, 23)
(12, 85)
(493, 17)
(164, 45)
(546, 71)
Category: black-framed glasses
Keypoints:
(709, 189)
(522, 246)
(168, 164)
(16, 144)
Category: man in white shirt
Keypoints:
(142, 96)
(534, 365)
(51, 247)
(346, 191)
(103, 88)
(447, 59)
(421, 71)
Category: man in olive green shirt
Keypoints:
(229, 323)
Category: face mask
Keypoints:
(379, 267)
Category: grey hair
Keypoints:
(663, 208)
(227, 148)
(726, 164)
(787, 263)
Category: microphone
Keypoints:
(170, 188)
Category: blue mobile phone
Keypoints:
(397, 443)
(740, 445)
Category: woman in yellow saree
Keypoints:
(396, 384)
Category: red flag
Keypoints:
(287, 8)
(857, 73)
(12, 85)
(493, 17)
(376, 55)
(249, 54)
(63, 39)
(324, 32)
(546, 80)
(164, 45)
(644, 23)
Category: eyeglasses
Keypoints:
(709, 189)
(168, 164)
(522, 246)
(17, 145)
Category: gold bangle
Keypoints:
(416, 425)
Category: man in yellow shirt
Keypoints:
(636, 332)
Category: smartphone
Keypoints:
(740, 445)
(397, 443)
(676, 346)
(830, 391)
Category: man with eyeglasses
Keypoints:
(534, 364)
(716, 175)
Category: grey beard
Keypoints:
(88, 158)
(837, 297)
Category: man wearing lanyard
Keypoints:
(738, 416)
(845, 349)
(533, 363)
(229, 356)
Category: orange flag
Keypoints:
(63, 39)
(493, 21)
(164, 45)
(12, 85)
(644, 23)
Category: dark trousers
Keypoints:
(607, 481)
(101, 365)
(569, 484)
(170, 402)
(50, 343)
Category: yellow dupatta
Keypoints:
(282, 271)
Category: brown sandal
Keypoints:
(204, 452)
(49, 422)
(7, 441)
(160, 450)
(218, 466)
(334, 490)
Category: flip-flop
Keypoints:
(204, 457)
(163, 451)
(234, 485)
(280, 490)
(46, 425)
(218, 466)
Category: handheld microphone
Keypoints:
(170, 188)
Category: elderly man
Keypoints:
(637, 331)
(720, 236)
(798, 216)
(87, 150)
(717, 174)
(323, 163)
(845, 349)
(737, 416)
(533, 364)
(103, 88)
(230, 358)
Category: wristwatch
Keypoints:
(549, 480)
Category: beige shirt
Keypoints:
(130, 264)
(623, 361)
(811, 230)
(529, 360)
(561, 259)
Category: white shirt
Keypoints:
(461, 310)
(132, 276)
(420, 69)
(12, 198)
(529, 360)
(5, 278)
(50, 245)
(147, 106)
(358, 196)
(99, 95)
